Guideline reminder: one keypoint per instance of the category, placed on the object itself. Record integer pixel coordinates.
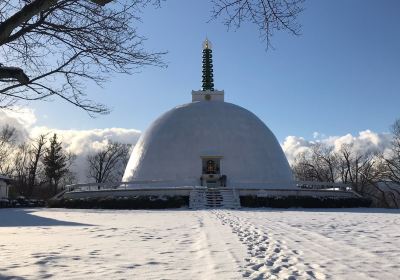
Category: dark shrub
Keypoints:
(132, 202)
(303, 202)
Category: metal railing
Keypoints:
(142, 184)
(324, 186)
(145, 184)
(129, 185)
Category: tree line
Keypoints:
(362, 170)
(41, 167)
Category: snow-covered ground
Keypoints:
(215, 244)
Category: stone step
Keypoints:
(213, 198)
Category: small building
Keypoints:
(4, 186)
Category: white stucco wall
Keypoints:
(172, 147)
(207, 95)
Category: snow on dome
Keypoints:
(174, 147)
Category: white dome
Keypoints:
(172, 148)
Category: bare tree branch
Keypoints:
(55, 47)
(392, 161)
(268, 15)
(26, 13)
(108, 164)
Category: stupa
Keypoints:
(211, 143)
(206, 153)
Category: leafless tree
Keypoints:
(359, 169)
(24, 164)
(108, 164)
(324, 164)
(52, 48)
(36, 153)
(20, 169)
(393, 161)
(319, 164)
(268, 15)
(7, 141)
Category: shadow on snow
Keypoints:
(14, 217)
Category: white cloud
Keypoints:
(366, 141)
(20, 118)
(318, 135)
(293, 146)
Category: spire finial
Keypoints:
(207, 44)
(208, 77)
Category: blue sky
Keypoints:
(342, 75)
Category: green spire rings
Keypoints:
(208, 77)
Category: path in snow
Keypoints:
(95, 244)
(318, 245)
(268, 257)
(182, 244)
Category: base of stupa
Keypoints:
(198, 197)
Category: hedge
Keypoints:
(133, 202)
(303, 202)
(165, 202)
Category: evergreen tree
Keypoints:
(56, 163)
